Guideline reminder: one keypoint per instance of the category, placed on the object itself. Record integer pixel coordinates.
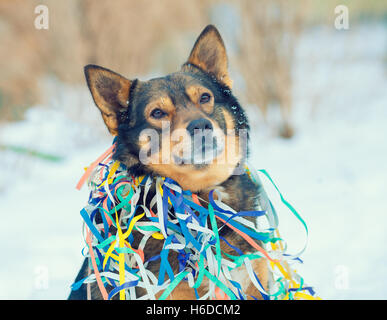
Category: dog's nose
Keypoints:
(199, 124)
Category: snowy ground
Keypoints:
(333, 172)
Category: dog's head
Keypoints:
(186, 126)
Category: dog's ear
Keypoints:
(110, 92)
(209, 54)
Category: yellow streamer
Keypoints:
(110, 176)
(108, 253)
(121, 258)
(302, 295)
(158, 236)
(121, 244)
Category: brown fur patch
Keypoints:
(163, 103)
(195, 92)
(190, 178)
(230, 124)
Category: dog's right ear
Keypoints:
(209, 54)
(110, 93)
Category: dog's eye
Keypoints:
(158, 114)
(204, 98)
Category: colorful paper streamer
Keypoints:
(186, 225)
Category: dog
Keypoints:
(198, 97)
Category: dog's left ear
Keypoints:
(110, 92)
(209, 54)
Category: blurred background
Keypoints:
(311, 74)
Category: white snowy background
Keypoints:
(333, 171)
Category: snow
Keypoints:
(332, 171)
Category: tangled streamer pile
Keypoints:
(185, 224)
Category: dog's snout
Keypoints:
(199, 124)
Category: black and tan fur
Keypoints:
(126, 107)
